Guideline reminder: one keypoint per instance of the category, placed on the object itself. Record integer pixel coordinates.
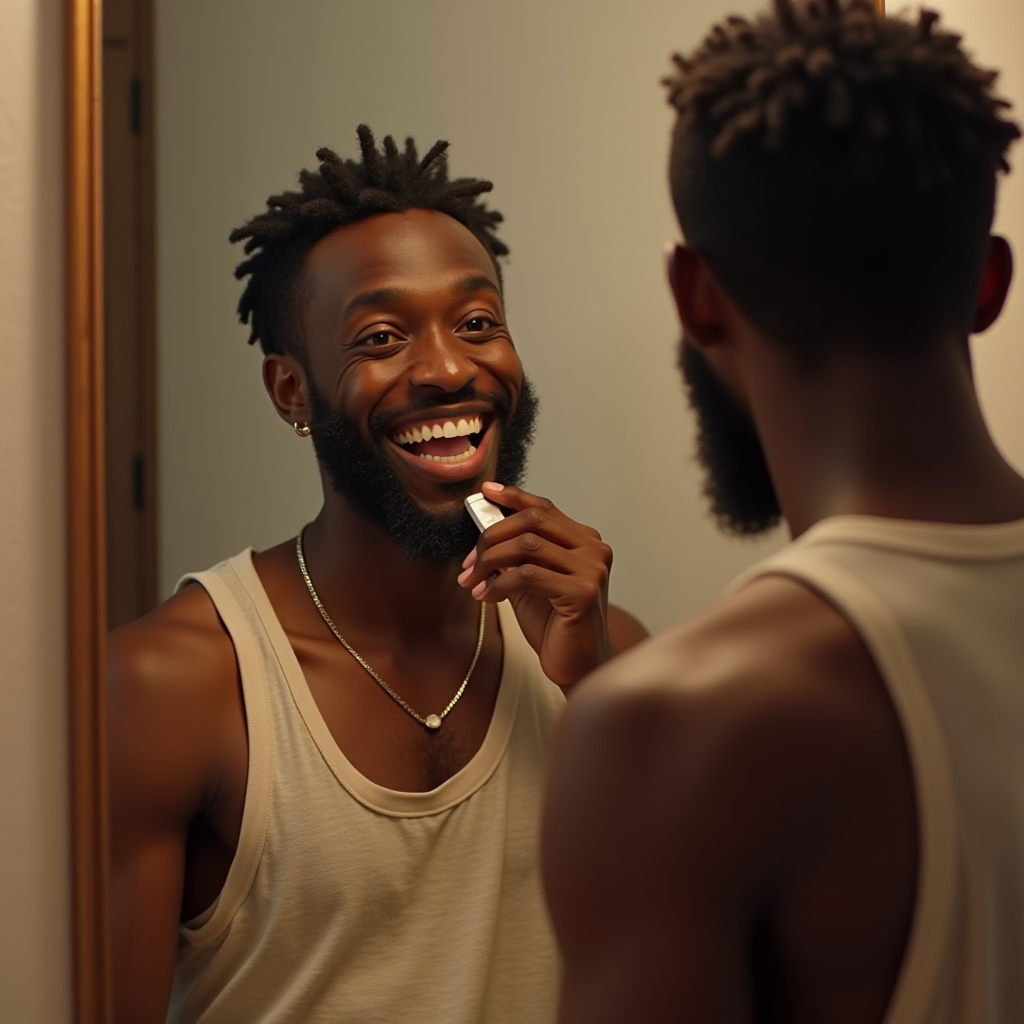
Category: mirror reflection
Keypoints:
(332, 733)
(395, 693)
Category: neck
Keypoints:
(900, 436)
(365, 579)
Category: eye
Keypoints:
(377, 339)
(479, 324)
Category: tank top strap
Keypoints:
(234, 606)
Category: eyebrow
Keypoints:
(380, 296)
(374, 298)
(475, 284)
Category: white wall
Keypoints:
(34, 867)
(558, 101)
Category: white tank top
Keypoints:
(941, 608)
(349, 902)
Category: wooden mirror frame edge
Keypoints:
(86, 531)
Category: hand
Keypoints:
(554, 572)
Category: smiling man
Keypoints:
(327, 758)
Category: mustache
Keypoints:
(499, 401)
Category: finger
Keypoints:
(519, 500)
(531, 548)
(514, 497)
(558, 530)
(565, 591)
(544, 520)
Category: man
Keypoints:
(319, 813)
(808, 804)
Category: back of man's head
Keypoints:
(838, 170)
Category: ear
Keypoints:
(699, 297)
(995, 284)
(285, 381)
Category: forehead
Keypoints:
(416, 250)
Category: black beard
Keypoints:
(737, 481)
(361, 473)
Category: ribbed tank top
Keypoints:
(349, 902)
(941, 608)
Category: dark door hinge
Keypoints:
(138, 482)
(135, 106)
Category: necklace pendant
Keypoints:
(432, 722)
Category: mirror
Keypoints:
(556, 101)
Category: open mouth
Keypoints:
(443, 440)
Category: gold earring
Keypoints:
(302, 429)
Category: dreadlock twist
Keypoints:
(342, 192)
(824, 126)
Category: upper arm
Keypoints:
(624, 629)
(162, 723)
(647, 929)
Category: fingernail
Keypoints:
(479, 588)
(470, 559)
(493, 486)
(464, 575)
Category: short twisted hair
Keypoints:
(342, 192)
(838, 169)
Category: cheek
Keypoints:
(502, 362)
(363, 381)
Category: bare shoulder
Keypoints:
(181, 645)
(172, 690)
(775, 649)
(768, 704)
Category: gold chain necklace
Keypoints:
(431, 721)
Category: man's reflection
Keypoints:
(327, 757)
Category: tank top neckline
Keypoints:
(378, 798)
(960, 541)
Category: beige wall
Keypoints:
(558, 101)
(994, 30)
(34, 937)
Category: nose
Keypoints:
(443, 361)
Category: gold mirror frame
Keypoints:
(86, 536)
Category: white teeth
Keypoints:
(428, 431)
(450, 458)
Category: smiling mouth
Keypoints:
(444, 440)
